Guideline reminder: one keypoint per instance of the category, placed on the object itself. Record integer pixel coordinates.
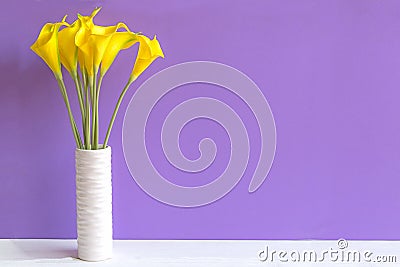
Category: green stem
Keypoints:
(97, 109)
(116, 111)
(82, 84)
(71, 117)
(94, 100)
(78, 91)
(78, 87)
(87, 113)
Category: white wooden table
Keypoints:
(206, 253)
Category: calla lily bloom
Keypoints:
(118, 42)
(68, 49)
(149, 50)
(92, 52)
(46, 46)
(81, 36)
(93, 40)
(88, 20)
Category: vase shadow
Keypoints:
(43, 250)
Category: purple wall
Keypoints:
(330, 71)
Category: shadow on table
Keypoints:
(44, 250)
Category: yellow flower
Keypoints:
(92, 41)
(119, 41)
(67, 47)
(149, 50)
(88, 20)
(92, 51)
(85, 57)
(46, 46)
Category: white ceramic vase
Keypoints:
(94, 204)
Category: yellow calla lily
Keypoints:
(46, 46)
(81, 36)
(93, 51)
(92, 41)
(88, 20)
(67, 47)
(149, 50)
(92, 28)
(119, 41)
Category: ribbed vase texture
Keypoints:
(94, 204)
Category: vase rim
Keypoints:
(94, 150)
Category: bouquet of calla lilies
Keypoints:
(86, 51)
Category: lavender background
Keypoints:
(330, 71)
